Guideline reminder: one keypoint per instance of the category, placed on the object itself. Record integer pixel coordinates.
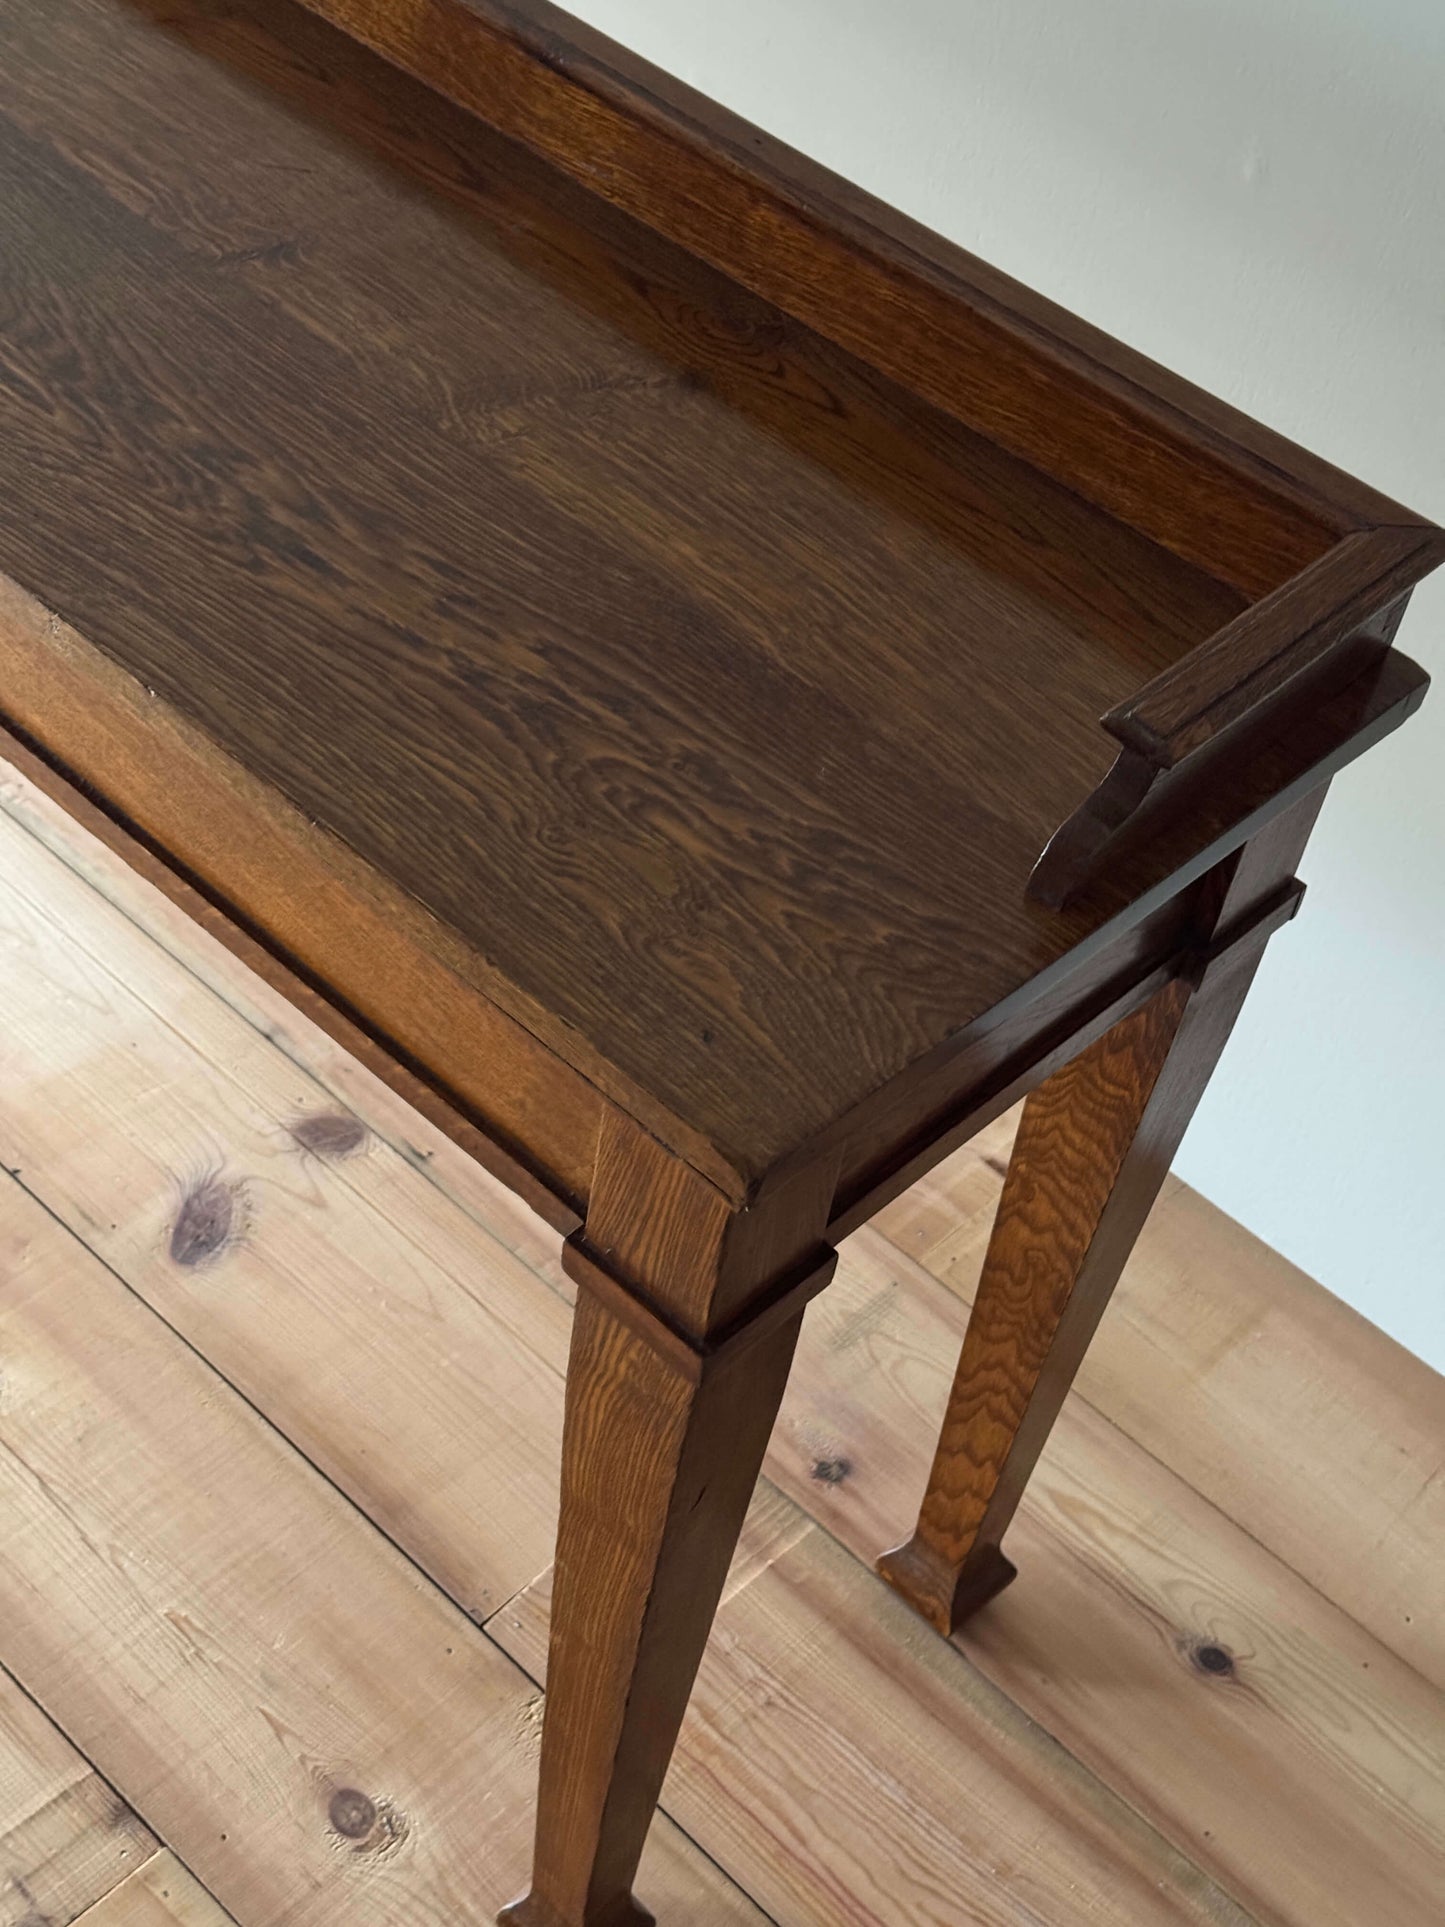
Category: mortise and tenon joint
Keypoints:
(686, 1354)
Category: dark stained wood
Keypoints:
(1144, 805)
(315, 905)
(1251, 681)
(1094, 1145)
(1318, 620)
(693, 1357)
(599, 607)
(662, 1445)
(583, 87)
(867, 1191)
(1152, 885)
(1028, 375)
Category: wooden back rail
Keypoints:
(1171, 461)
(1117, 428)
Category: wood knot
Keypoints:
(367, 1826)
(1216, 1661)
(330, 1134)
(205, 1223)
(830, 1471)
(351, 1813)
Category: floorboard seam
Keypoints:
(414, 1161)
(1214, 1506)
(477, 1627)
(162, 1845)
(1242, 1914)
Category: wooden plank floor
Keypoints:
(280, 1404)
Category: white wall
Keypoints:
(1253, 192)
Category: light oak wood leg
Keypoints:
(1094, 1145)
(1085, 1169)
(687, 1317)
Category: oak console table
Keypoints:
(712, 691)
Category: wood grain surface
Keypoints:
(661, 1448)
(1094, 1145)
(912, 1783)
(596, 605)
(1048, 1277)
(90, 849)
(175, 1572)
(159, 1894)
(66, 1837)
(233, 1149)
(1252, 1475)
(1189, 1366)
(369, 955)
(1162, 1643)
(667, 612)
(1196, 474)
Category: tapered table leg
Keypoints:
(686, 1322)
(1083, 1175)
(1094, 1145)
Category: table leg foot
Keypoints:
(529, 1911)
(938, 1593)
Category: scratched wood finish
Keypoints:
(66, 1838)
(598, 605)
(159, 1894)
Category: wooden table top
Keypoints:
(715, 690)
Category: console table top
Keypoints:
(695, 647)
